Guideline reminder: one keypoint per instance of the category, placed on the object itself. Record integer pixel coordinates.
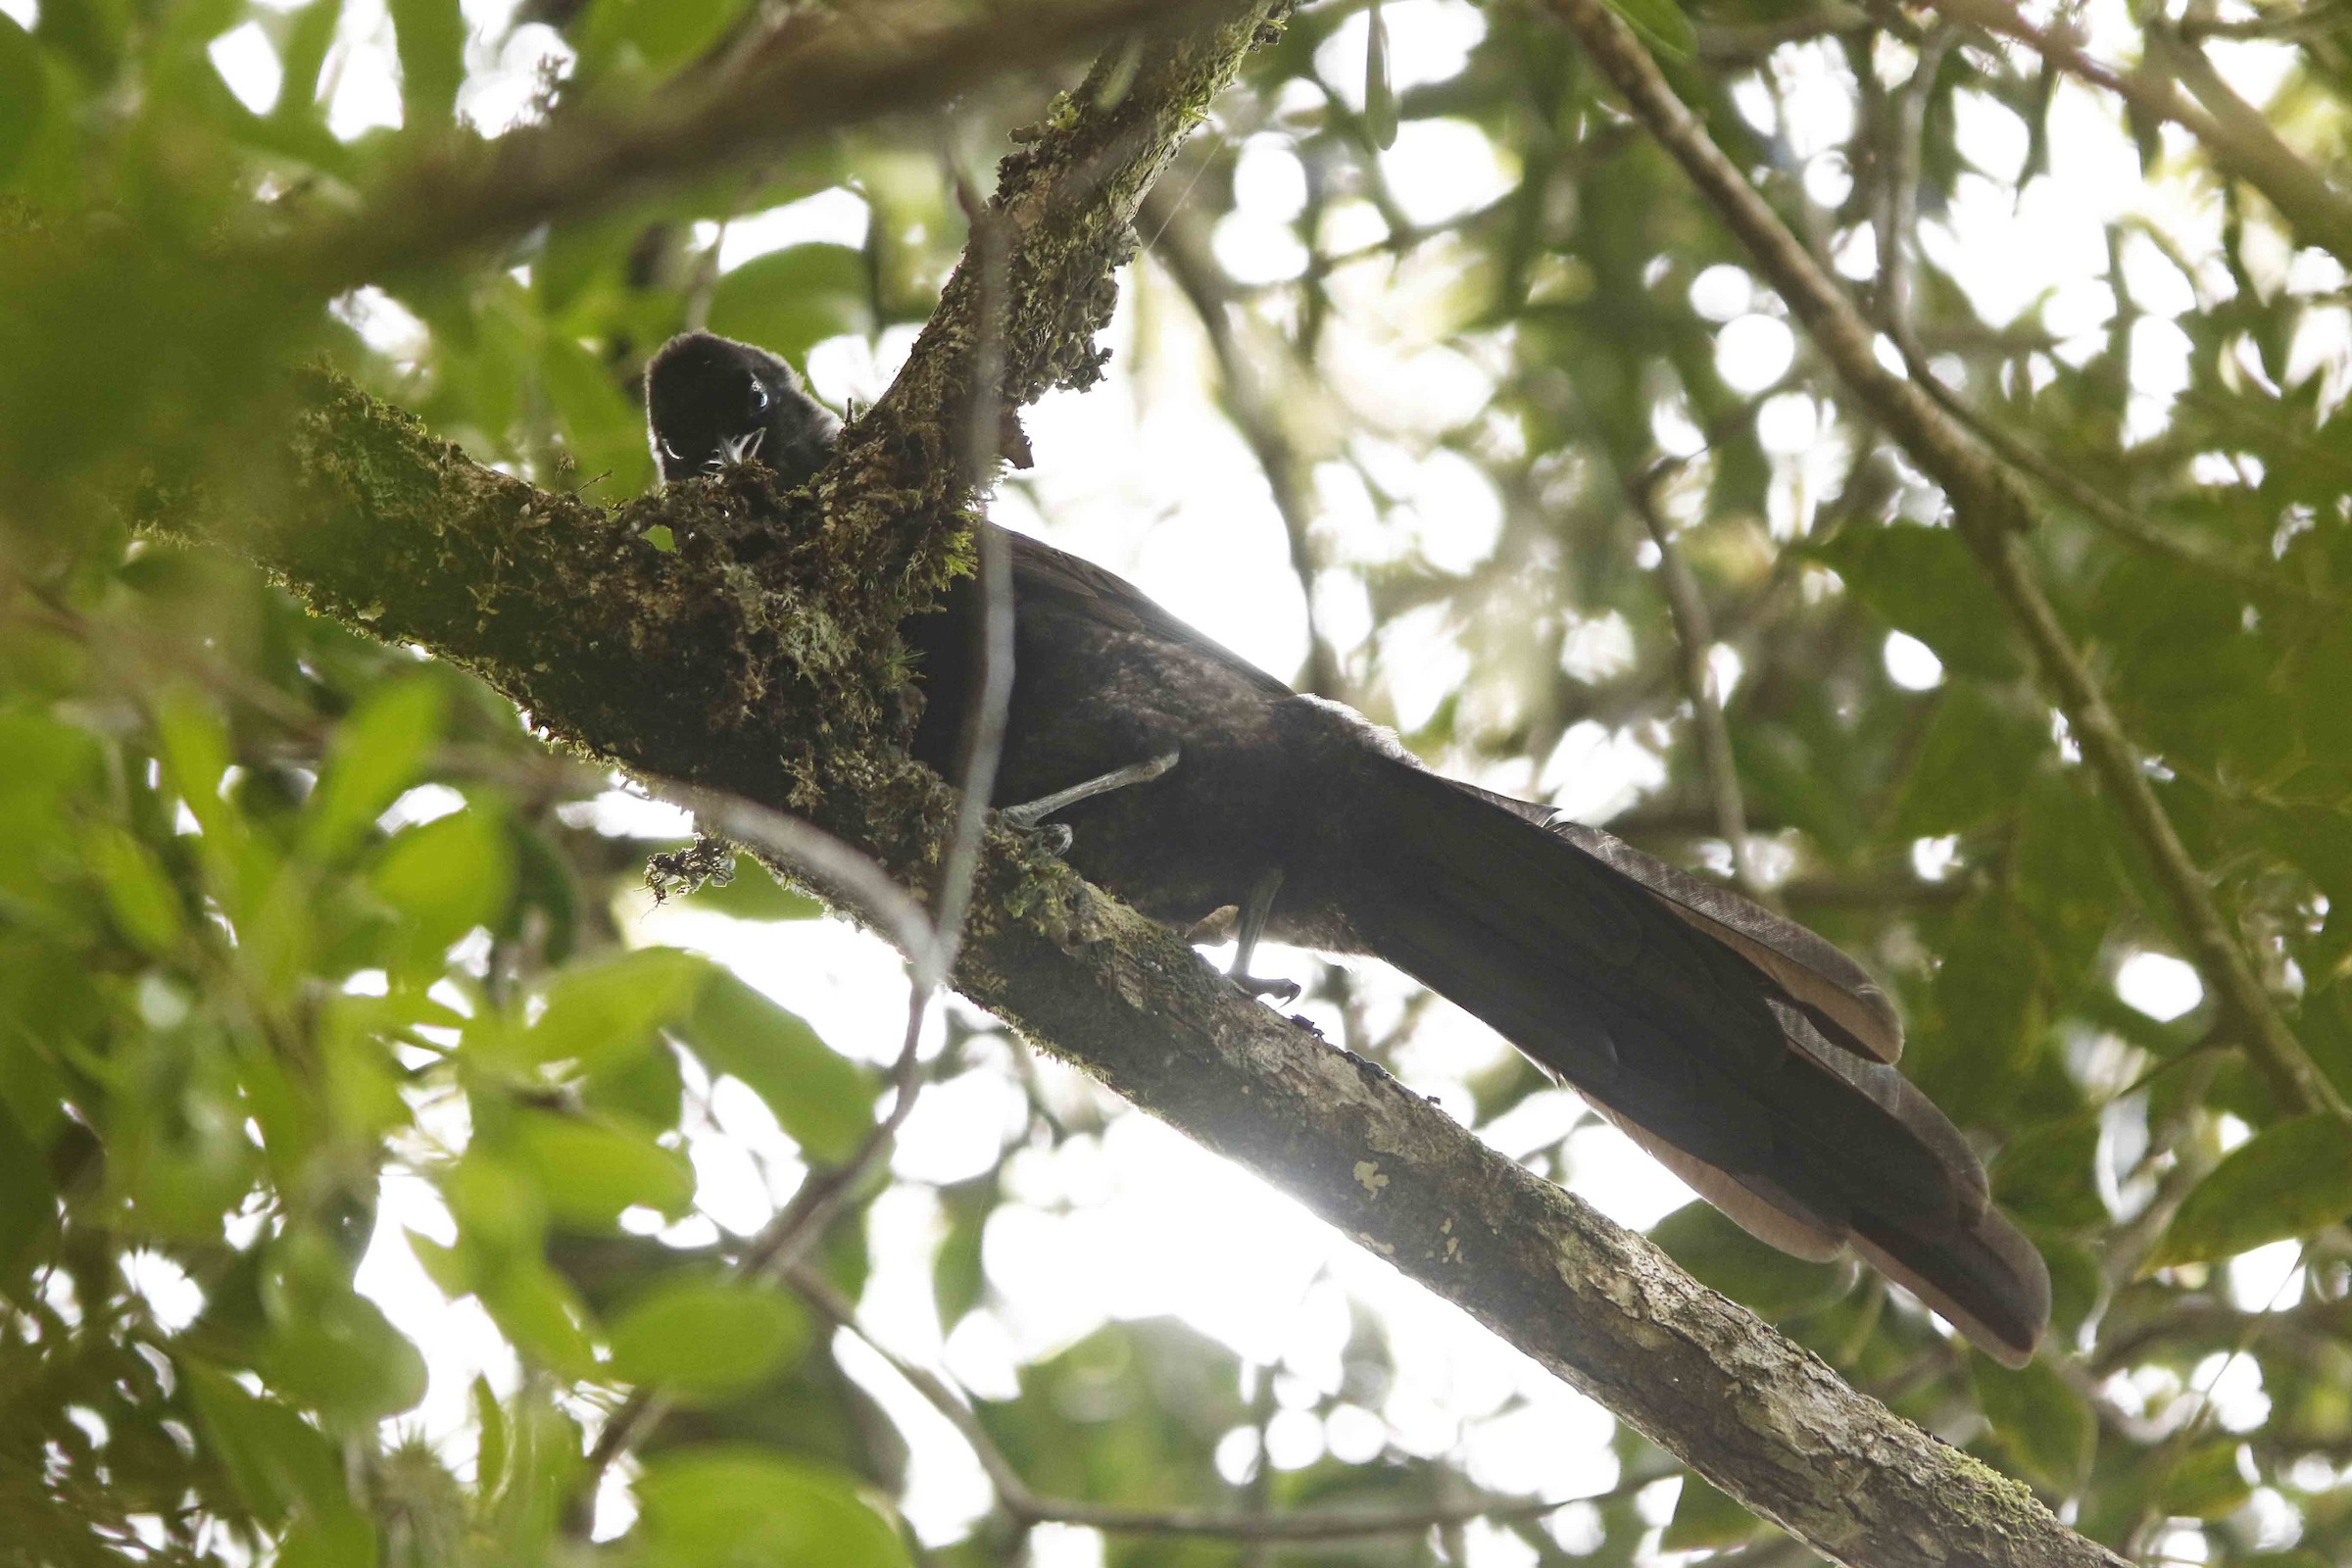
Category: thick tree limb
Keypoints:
(1992, 512)
(671, 660)
(818, 69)
(754, 651)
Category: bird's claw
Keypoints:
(1281, 993)
(1054, 838)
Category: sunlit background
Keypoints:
(1415, 577)
(1144, 474)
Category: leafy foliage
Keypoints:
(326, 991)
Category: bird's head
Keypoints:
(711, 403)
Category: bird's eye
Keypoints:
(758, 398)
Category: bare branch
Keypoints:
(1694, 634)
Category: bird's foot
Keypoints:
(1054, 838)
(1281, 993)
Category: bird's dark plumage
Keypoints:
(1748, 1055)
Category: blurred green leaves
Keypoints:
(431, 36)
(23, 94)
(698, 1337)
(791, 299)
(1923, 581)
(2285, 1181)
(745, 1508)
(824, 1099)
(235, 993)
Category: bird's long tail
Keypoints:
(1747, 1054)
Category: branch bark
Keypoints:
(753, 649)
(1992, 514)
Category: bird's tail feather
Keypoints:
(1742, 1049)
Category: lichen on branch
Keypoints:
(752, 648)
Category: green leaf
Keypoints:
(195, 752)
(536, 1309)
(1973, 765)
(1924, 581)
(140, 897)
(1705, 1517)
(2046, 1174)
(602, 1014)
(498, 1203)
(1662, 22)
(1380, 99)
(1989, 1012)
(662, 33)
(824, 1101)
(431, 36)
(2290, 1180)
(737, 1507)
(2043, 1425)
(791, 299)
(602, 428)
(376, 753)
(1763, 1279)
(444, 878)
(590, 1169)
(279, 1462)
(2208, 1483)
(23, 94)
(330, 1348)
(27, 1198)
(753, 893)
(490, 1423)
(697, 1338)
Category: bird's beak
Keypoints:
(735, 450)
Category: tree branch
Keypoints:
(755, 652)
(2234, 133)
(1694, 635)
(818, 70)
(1992, 514)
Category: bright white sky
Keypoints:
(1143, 475)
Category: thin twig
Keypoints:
(1027, 1507)
(841, 871)
(2234, 132)
(979, 451)
(1178, 245)
(1687, 607)
(1898, 184)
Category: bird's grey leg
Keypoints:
(1030, 815)
(1260, 904)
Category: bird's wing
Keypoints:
(1043, 575)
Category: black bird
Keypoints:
(1745, 1051)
